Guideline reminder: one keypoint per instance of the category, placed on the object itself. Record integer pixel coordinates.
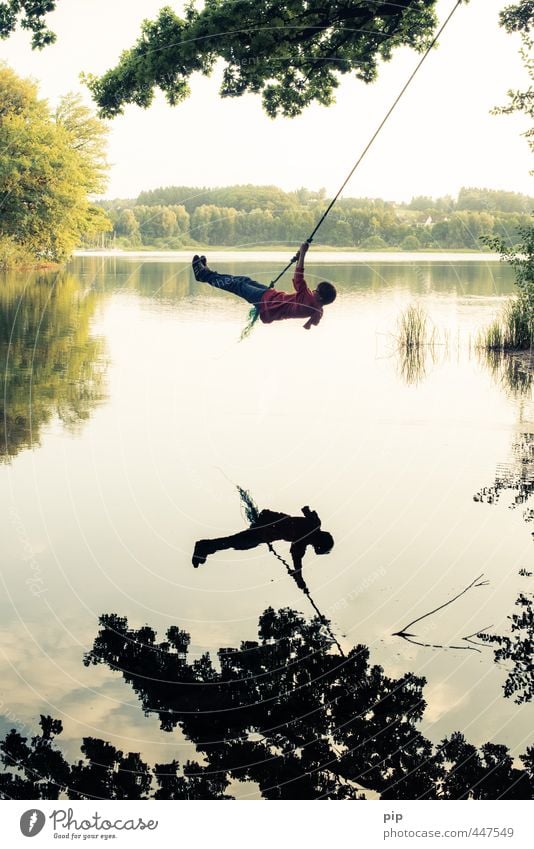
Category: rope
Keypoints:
(372, 140)
(307, 593)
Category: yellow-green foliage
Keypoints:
(49, 164)
(52, 364)
(13, 254)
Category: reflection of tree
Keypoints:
(51, 363)
(38, 770)
(517, 647)
(283, 712)
(516, 477)
(510, 369)
(165, 283)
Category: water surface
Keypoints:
(131, 411)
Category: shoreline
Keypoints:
(282, 256)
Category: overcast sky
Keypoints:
(441, 137)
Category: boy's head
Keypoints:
(322, 542)
(326, 292)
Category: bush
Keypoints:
(513, 330)
(410, 243)
(374, 243)
(12, 254)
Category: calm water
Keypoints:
(130, 413)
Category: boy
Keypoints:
(273, 305)
(270, 526)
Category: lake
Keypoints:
(131, 412)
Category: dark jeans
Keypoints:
(243, 287)
(267, 528)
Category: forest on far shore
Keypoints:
(247, 216)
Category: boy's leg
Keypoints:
(241, 541)
(244, 287)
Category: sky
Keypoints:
(441, 137)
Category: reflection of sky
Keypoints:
(106, 519)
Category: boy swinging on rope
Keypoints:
(272, 304)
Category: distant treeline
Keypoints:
(184, 216)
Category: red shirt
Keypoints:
(276, 305)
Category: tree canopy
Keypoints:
(175, 217)
(49, 164)
(30, 14)
(292, 52)
(516, 330)
(520, 18)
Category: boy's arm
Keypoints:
(311, 514)
(315, 319)
(303, 250)
(297, 550)
(300, 284)
(298, 278)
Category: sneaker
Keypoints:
(199, 267)
(199, 554)
(204, 262)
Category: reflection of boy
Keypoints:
(273, 304)
(269, 527)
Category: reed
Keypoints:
(512, 330)
(416, 342)
(413, 329)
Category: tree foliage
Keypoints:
(251, 215)
(284, 711)
(293, 52)
(288, 713)
(519, 18)
(522, 261)
(514, 331)
(37, 769)
(49, 164)
(517, 648)
(87, 137)
(30, 14)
